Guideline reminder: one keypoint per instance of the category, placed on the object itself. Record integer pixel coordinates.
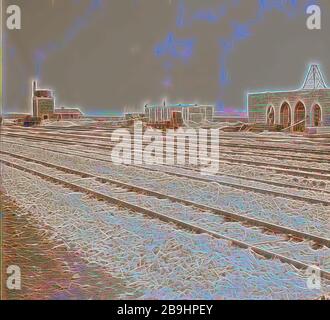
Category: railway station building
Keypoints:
(187, 112)
(68, 113)
(294, 110)
(43, 103)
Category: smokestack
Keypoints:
(34, 86)
(34, 106)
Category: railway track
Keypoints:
(226, 150)
(232, 144)
(87, 152)
(314, 173)
(193, 174)
(129, 196)
(243, 136)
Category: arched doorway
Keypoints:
(316, 116)
(300, 117)
(271, 116)
(285, 115)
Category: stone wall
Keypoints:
(258, 104)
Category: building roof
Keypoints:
(43, 94)
(179, 105)
(11, 115)
(68, 110)
(314, 81)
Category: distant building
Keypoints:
(297, 109)
(68, 114)
(135, 116)
(230, 117)
(15, 116)
(43, 103)
(187, 112)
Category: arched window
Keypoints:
(317, 116)
(270, 116)
(300, 117)
(285, 115)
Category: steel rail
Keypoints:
(231, 215)
(320, 174)
(179, 223)
(234, 145)
(205, 179)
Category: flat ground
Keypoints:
(71, 244)
(48, 270)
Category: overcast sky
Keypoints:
(108, 55)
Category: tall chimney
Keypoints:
(34, 86)
(34, 105)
